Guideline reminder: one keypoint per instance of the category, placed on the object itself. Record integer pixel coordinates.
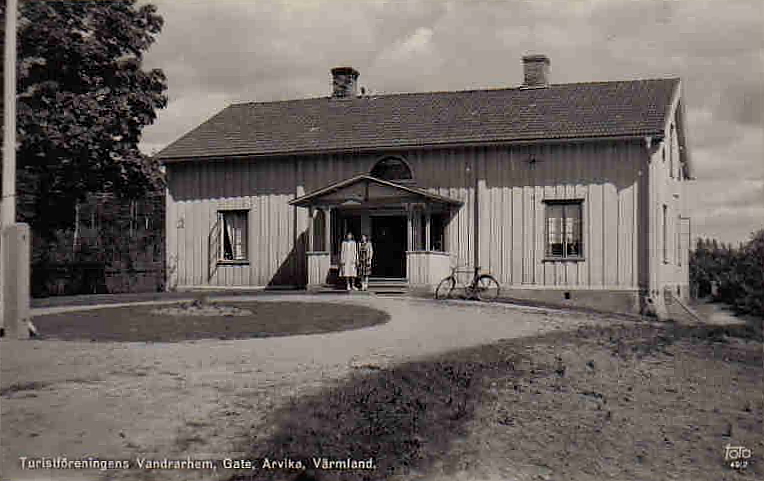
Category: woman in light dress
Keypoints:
(349, 261)
(365, 255)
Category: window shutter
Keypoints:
(213, 246)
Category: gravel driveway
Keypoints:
(203, 398)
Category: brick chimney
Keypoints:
(536, 70)
(344, 82)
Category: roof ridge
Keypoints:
(432, 92)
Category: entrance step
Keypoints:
(388, 285)
(332, 289)
(377, 285)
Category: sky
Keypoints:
(217, 52)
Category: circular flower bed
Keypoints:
(198, 308)
(202, 320)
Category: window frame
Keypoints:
(664, 234)
(678, 240)
(565, 257)
(441, 239)
(244, 260)
(400, 159)
(437, 242)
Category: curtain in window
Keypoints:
(555, 216)
(234, 235)
(573, 230)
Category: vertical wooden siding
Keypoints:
(669, 189)
(511, 195)
(512, 212)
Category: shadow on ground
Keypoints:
(407, 418)
(402, 418)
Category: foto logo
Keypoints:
(737, 456)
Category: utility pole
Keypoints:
(9, 123)
(14, 268)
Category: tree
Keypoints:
(83, 100)
(751, 273)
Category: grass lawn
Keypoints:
(636, 402)
(138, 323)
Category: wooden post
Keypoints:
(427, 238)
(9, 130)
(328, 230)
(311, 228)
(409, 228)
(14, 246)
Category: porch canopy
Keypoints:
(402, 215)
(364, 193)
(370, 192)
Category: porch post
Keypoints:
(311, 219)
(328, 229)
(427, 240)
(409, 228)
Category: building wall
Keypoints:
(669, 258)
(607, 176)
(512, 213)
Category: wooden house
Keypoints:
(568, 193)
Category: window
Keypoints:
(392, 168)
(233, 235)
(437, 232)
(664, 230)
(564, 232)
(319, 231)
(678, 241)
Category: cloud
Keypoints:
(218, 52)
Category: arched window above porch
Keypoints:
(394, 169)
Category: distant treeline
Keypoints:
(734, 275)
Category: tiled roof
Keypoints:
(560, 111)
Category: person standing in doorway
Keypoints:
(365, 254)
(349, 261)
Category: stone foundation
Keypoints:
(626, 302)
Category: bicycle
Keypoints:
(482, 287)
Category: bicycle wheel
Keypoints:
(486, 288)
(445, 288)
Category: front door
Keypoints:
(388, 237)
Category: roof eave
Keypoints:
(413, 146)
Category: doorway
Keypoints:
(389, 238)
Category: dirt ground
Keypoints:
(123, 400)
(628, 403)
(444, 391)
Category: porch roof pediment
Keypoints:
(363, 189)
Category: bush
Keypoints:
(737, 273)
